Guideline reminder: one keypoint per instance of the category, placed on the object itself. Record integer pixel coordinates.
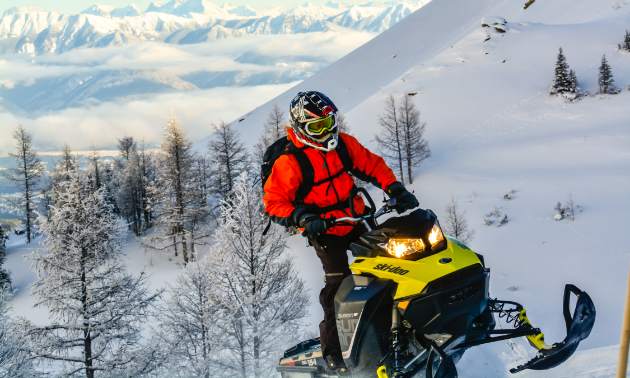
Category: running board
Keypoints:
(578, 328)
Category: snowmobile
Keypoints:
(418, 299)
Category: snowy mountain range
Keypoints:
(172, 29)
(34, 30)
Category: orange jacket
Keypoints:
(286, 177)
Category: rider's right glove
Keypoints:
(313, 224)
(404, 199)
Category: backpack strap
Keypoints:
(344, 155)
(308, 173)
(308, 177)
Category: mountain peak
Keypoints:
(130, 10)
(243, 11)
(23, 10)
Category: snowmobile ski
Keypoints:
(578, 328)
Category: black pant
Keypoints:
(331, 250)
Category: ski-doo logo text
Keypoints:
(391, 269)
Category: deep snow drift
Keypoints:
(493, 128)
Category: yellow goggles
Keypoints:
(318, 127)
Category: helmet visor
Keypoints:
(323, 124)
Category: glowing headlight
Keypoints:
(435, 236)
(404, 247)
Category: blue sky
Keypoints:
(75, 6)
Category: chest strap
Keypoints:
(308, 173)
(319, 210)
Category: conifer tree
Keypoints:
(5, 279)
(606, 81)
(14, 362)
(178, 195)
(97, 309)
(561, 80)
(573, 83)
(626, 42)
(256, 283)
(229, 158)
(190, 323)
(26, 175)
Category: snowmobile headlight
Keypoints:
(403, 247)
(436, 235)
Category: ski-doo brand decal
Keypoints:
(391, 269)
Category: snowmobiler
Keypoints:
(308, 177)
(418, 299)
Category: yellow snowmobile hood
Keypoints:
(413, 276)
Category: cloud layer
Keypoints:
(144, 116)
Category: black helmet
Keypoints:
(314, 120)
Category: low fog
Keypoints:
(32, 81)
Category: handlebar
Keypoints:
(388, 207)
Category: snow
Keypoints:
(492, 128)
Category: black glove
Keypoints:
(404, 200)
(313, 224)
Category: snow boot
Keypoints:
(336, 365)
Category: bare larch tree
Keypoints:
(229, 159)
(274, 128)
(256, 282)
(178, 195)
(391, 139)
(97, 309)
(26, 175)
(190, 323)
(416, 148)
(455, 223)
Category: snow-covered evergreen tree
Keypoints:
(14, 362)
(415, 147)
(626, 42)
(178, 196)
(229, 158)
(561, 80)
(97, 309)
(256, 283)
(574, 85)
(5, 279)
(391, 138)
(26, 175)
(606, 81)
(190, 324)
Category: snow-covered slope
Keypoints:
(29, 29)
(493, 128)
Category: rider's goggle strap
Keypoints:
(321, 125)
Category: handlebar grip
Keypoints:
(356, 191)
